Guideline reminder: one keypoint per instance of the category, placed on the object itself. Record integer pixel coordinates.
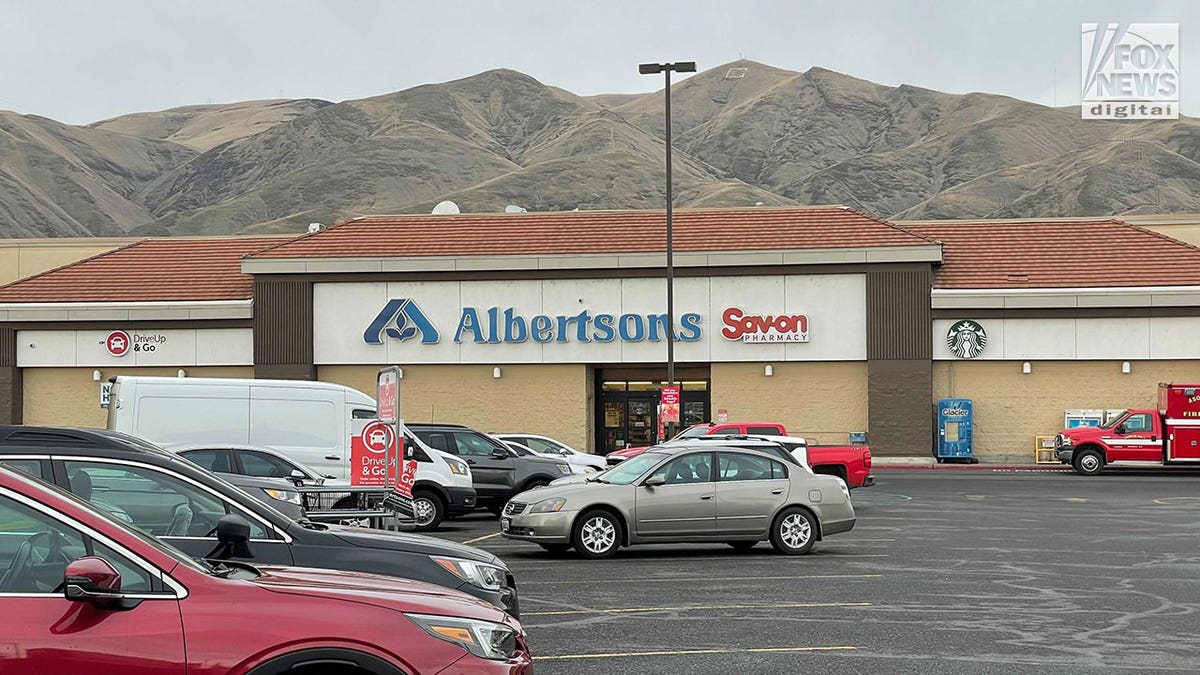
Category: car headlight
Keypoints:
(483, 575)
(288, 496)
(564, 469)
(484, 639)
(458, 467)
(548, 506)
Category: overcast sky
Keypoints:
(80, 61)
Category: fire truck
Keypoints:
(1167, 436)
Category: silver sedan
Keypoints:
(684, 493)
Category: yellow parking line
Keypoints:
(486, 536)
(657, 580)
(691, 652)
(636, 610)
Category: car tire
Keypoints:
(556, 549)
(1087, 462)
(535, 483)
(597, 534)
(429, 510)
(742, 546)
(794, 531)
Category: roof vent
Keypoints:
(735, 73)
(446, 208)
(513, 208)
(313, 228)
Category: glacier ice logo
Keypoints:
(1130, 71)
(401, 319)
(966, 339)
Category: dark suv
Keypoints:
(498, 471)
(177, 501)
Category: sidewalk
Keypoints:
(929, 463)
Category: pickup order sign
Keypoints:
(670, 405)
(387, 397)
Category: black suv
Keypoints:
(497, 471)
(180, 503)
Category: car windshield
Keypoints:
(693, 431)
(628, 471)
(1113, 422)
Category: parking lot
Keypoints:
(946, 572)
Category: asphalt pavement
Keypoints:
(945, 572)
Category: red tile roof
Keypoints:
(582, 232)
(146, 271)
(1058, 254)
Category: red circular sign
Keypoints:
(377, 437)
(118, 343)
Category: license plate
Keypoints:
(504, 524)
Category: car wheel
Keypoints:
(1088, 462)
(556, 549)
(536, 483)
(597, 534)
(428, 510)
(742, 546)
(794, 532)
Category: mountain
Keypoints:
(744, 133)
(203, 127)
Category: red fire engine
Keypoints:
(1167, 436)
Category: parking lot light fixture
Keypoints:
(666, 69)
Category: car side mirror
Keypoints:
(93, 580)
(1121, 429)
(655, 481)
(233, 537)
(298, 477)
(501, 454)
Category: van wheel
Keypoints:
(1088, 463)
(597, 534)
(428, 509)
(794, 532)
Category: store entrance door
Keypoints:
(628, 408)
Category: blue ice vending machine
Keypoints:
(954, 429)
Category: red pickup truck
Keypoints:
(851, 463)
(1167, 436)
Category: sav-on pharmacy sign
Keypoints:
(402, 319)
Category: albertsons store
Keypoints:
(826, 319)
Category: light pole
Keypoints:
(666, 69)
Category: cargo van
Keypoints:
(311, 422)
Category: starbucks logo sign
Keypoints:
(966, 339)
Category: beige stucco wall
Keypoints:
(1011, 408)
(69, 396)
(822, 401)
(1189, 232)
(552, 399)
(20, 258)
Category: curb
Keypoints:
(1041, 468)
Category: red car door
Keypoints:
(1135, 439)
(44, 633)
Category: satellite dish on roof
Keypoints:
(513, 208)
(445, 208)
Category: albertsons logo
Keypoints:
(966, 339)
(1130, 71)
(401, 319)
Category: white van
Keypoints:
(312, 422)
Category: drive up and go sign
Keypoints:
(387, 398)
(372, 454)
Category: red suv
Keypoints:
(83, 592)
